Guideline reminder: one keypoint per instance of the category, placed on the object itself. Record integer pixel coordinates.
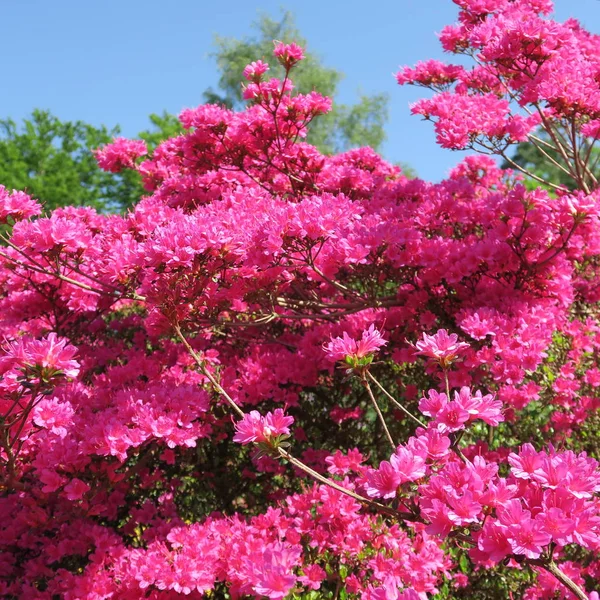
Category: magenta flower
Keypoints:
(313, 576)
(442, 347)
(433, 403)
(47, 358)
(492, 541)
(383, 482)
(250, 429)
(75, 489)
(409, 465)
(277, 423)
(527, 537)
(288, 54)
(255, 70)
(464, 509)
(355, 353)
(256, 428)
(120, 154)
(452, 417)
(17, 205)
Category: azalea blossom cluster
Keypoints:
(174, 420)
(527, 71)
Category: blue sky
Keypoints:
(116, 61)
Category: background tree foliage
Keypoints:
(53, 160)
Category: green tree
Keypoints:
(53, 160)
(346, 126)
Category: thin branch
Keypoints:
(379, 414)
(371, 503)
(202, 365)
(529, 173)
(552, 568)
(404, 410)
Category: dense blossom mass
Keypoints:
(291, 375)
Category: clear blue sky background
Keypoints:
(116, 61)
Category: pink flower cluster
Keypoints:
(45, 358)
(17, 205)
(256, 428)
(120, 154)
(466, 407)
(253, 265)
(352, 351)
(444, 348)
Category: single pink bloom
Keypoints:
(441, 346)
(313, 576)
(526, 463)
(492, 541)
(51, 353)
(288, 54)
(383, 482)
(558, 525)
(250, 429)
(75, 489)
(408, 465)
(451, 418)
(256, 428)
(277, 423)
(431, 404)
(51, 480)
(527, 537)
(342, 348)
(255, 70)
(465, 509)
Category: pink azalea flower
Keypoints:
(17, 205)
(256, 428)
(441, 347)
(526, 463)
(313, 576)
(528, 537)
(75, 489)
(408, 465)
(51, 480)
(51, 355)
(465, 509)
(277, 423)
(250, 428)
(255, 70)
(288, 54)
(433, 403)
(120, 154)
(493, 542)
(54, 415)
(486, 408)
(383, 482)
(452, 417)
(353, 351)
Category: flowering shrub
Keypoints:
(291, 375)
